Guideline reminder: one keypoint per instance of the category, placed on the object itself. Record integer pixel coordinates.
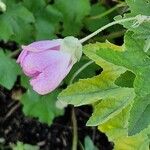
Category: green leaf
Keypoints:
(117, 130)
(139, 118)
(135, 59)
(21, 146)
(139, 7)
(33, 6)
(73, 12)
(126, 79)
(91, 23)
(23, 36)
(109, 69)
(139, 141)
(117, 126)
(43, 107)
(25, 81)
(44, 30)
(110, 107)
(5, 28)
(14, 22)
(47, 22)
(88, 91)
(90, 51)
(88, 144)
(147, 45)
(21, 13)
(8, 71)
(132, 57)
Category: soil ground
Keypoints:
(15, 127)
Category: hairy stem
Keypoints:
(75, 130)
(107, 26)
(108, 11)
(110, 36)
(80, 70)
(74, 120)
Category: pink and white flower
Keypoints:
(48, 62)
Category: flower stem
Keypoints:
(80, 70)
(110, 36)
(106, 26)
(75, 130)
(108, 11)
(74, 120)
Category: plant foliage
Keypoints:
(120, 94)
(117, 85)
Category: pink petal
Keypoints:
(43, 45)
(52, 76)
(37, 62)
(21, 57)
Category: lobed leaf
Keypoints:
(141, 30)
(117, 130)
(110, 107)
(136, 60)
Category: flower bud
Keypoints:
(48, 62)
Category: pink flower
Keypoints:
(47, 62)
